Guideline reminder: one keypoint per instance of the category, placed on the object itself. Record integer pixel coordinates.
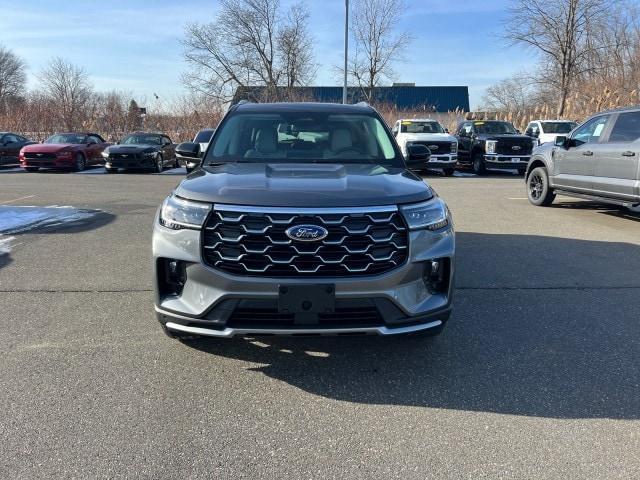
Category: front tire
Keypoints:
(479, 167)
(81, 163)
(32, 169)
(448, 171)
(539, 191)
(159, 164)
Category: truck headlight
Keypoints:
(432, 215)
(177, 213)
(454, 147)
(491, 146)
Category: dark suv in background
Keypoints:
(303, 219)
(492, 144)
(599, 160)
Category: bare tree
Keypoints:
(13, 78)
(67, 88)
(295, 51)
(510, 94)
(225, 55)
(376, 43)
(562, 31)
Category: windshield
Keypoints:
(142, 140)
(413, 126)
(67, 138)
(494, 127)
(204, 136)
(315, 137)
(558, 127)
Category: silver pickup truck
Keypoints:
(599, 160)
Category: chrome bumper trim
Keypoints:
(232, 332)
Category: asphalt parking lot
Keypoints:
(536, 376)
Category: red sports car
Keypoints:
(69, 151)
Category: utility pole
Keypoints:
(346, 49)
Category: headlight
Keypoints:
(491, 146)
(177, 213)
(105, 154)
(454, 147)
(432, 215)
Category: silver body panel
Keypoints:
(206, 286)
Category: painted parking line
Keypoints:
(16, 199)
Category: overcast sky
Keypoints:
(134, 45)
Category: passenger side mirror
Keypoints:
(189, 150)
(417, 156)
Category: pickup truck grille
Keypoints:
(252, 241)
(443, 148)
(505, 147)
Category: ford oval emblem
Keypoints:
(307, 233)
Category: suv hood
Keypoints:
(303, 185)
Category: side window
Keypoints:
(166, 141)
(94, 139)
(591, 131)
(626, 129)
(9, 139)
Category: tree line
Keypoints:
(589, 58)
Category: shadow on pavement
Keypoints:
(542, 327)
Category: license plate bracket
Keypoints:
(306, 302)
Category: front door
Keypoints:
(616, 159)
(574, 166)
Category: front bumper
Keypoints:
(508, 162)
(132, 164)
(209, 297)
(48, 163)
(442, 161)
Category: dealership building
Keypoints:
(404, 96)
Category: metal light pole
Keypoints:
(346, 49)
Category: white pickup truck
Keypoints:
(427, 132)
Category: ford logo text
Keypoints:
(307, 233)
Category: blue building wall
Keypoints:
(438, 99)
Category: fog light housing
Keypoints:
(436, 275)
(172, 276)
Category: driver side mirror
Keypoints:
(188, 150)
(562, 141)
(417, 156)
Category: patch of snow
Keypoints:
(21, 219)
(5, 244)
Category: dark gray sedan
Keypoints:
(141, 151)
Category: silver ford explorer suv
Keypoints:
(303, 219)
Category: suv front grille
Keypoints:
(252, 241)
